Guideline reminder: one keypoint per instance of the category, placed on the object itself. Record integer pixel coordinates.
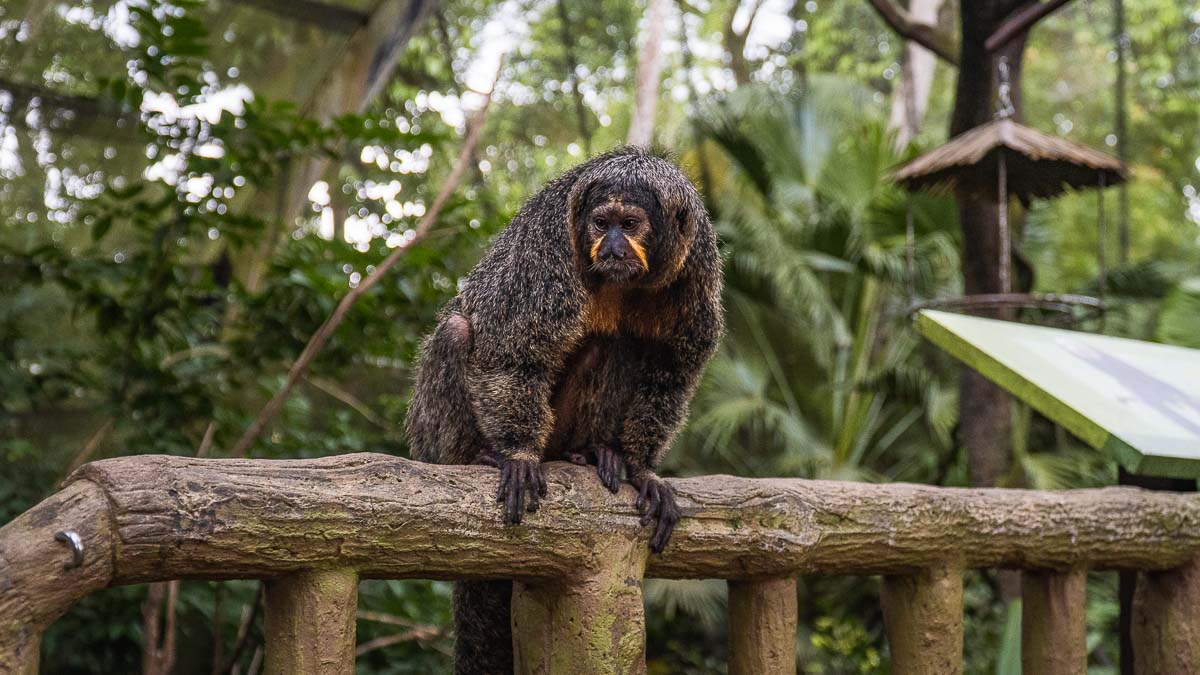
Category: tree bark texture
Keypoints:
(1054, 623)
(591, 624)
(984, 409)
(152, 518)
(310, 622)
(1166, 622)
(922, 614)
(649, 71)
(762, 627)
(911, 96)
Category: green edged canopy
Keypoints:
(1137, 401)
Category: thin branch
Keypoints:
(206, 441)
(929, 37)
(419, 634)
(350, 401)
(89, 448)
(327, 17)
(70, 111)
(1021, 21)
(249, 615)
(384, 617)
(322, 335)
(158, 626)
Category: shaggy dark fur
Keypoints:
(573, 340)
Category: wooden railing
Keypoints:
(313, 528)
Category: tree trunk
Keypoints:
(649, 69)
(911, 97)
(984, 409)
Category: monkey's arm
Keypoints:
(524, 312)
(666, 380)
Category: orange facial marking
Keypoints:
(638, 251)
(596, 248)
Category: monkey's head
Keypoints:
(632, 218)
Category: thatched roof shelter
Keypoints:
(1037, 164)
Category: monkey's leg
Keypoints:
(483, 623)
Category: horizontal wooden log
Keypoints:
(152, 518)
(385, 516)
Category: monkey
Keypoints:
(580, 335)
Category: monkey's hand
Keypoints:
(522, 483)
(656, 500)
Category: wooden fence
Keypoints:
(313, 528)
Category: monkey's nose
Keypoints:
(612, 253)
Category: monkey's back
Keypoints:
(527, 272)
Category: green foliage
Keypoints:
(156, 279)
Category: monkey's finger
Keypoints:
(541, 481)
(662, 533)
(513, 505)
(505, 472)
(604, 466)
(614, 472)
(652, 502)
(602, 471)
(668, 516)
(641, 500)
(530, 488)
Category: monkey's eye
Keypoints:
(598, 223)
(629, 224)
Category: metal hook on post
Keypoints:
(72, 539)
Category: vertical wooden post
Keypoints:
(1054, 623)
(310, 623)
(593, 625)
(1166, 621)
(922, 614)
(762, 627)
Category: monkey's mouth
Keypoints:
(618, 271)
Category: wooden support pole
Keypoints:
(1166, 622)
(762, 627)
(1054, 622)
(590, 625)
(310, 623)
(922, 614)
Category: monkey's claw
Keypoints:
(522, 483)
(608, 466)
(656, 500)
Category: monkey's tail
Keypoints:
(484, 630)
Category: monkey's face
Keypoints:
(616, 236)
